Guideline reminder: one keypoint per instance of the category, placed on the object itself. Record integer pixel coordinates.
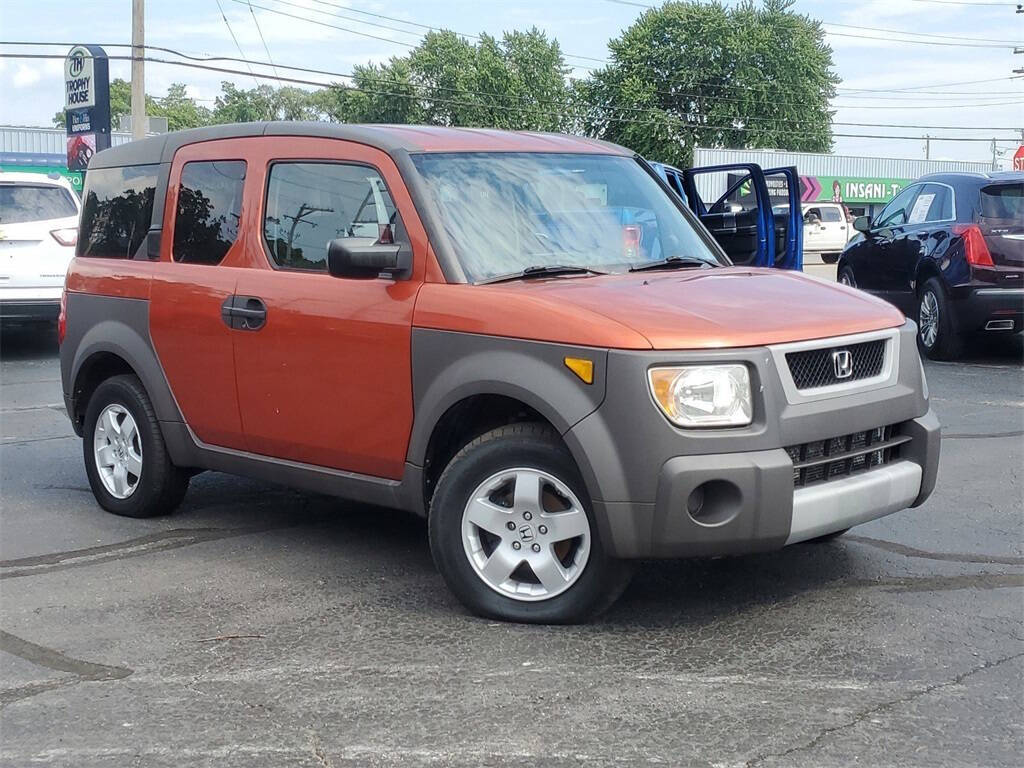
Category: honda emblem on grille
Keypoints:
(842, 363)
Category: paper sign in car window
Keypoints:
(920, 210)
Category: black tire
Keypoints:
(828, 537)
(846, 276)
(516, 446)
(830, 258)
(947, 343)
(161, 486)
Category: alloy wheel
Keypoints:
(117, 449)
(526, 534)
(928, 319)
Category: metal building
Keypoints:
(864, 184)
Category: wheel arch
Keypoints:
(465, 384)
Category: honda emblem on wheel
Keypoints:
(526, 533)
(842, 363)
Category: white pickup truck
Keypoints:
(827, 230)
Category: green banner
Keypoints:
(850, 189)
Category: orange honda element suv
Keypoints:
(526, 338)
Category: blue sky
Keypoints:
(31, 91)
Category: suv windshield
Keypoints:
(508, 212)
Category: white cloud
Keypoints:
(26, 75)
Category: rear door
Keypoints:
(733, 202)
(784, 184)
(1001, 220)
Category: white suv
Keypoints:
(827, 230)
(38, 233)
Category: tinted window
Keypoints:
(940, 206)
(34, 202)
(117, 211)
(310, 204)
(1003, 201)
(209, 207)
(831, 214)
(896, 212)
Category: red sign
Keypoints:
(1018, 159)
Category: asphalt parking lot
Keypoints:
(261, 626)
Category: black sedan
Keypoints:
(948, 250)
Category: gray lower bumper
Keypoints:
(841, 504)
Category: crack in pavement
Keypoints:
(953, 557)
(982, 435)
(940, 583)
(49, 658)
(875, 709)
(157, 542)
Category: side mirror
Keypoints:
(862, 224)
(346, 259)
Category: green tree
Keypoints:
(689, 74)
(180, 110)
(120, 103)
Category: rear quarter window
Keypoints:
(24, 202)
(117, 211)
(1003, 201)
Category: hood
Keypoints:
(699, 309)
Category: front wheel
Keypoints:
(830, 258)
(513, 535)
(846, 276)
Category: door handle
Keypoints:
(244, 313)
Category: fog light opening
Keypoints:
(715, 502)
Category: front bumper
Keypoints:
(659, 491)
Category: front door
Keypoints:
(324, 376)
(887, 256)
(733, 202)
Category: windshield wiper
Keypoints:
(672, 262)
(544, 270)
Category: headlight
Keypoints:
(703, 395)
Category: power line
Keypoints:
(920, 34)
(666, 119)
(232, 33)
(262, 38)
(532, 103)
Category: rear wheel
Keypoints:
(935, 333)
(125, 457)
(513, 535)
(846, 276)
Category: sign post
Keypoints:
(86, 104)
(1018, 159)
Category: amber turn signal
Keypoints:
(581, 367)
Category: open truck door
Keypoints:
(784, 189)
(733, 202)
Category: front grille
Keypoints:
(822, 460)
(812, 368)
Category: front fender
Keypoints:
(448, 367)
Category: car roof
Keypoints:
(977, 176)
(43, 179)
(389, 138)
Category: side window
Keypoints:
(812, 212)
(896, 212)
(831, 214)
(209, 208)
(941, 208)
(310, 204)
(117, 211)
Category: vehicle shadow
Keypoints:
(28, 342)
(993, 349)
(663, 593)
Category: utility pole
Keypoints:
(138, 69)
(995, 163)
(927, 147)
